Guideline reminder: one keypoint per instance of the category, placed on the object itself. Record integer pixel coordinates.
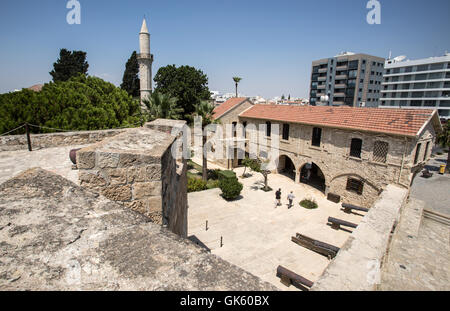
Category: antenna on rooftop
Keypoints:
(390, 55)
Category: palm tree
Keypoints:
(444, 140)
(205, 110)
(237, 80)
(162, 106)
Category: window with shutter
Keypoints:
(286, 131)
(268, 129)
(355, 185)
(317, 136)
(355, 148)
(380, 151)
(416, 157)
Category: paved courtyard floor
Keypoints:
(257, 236)
(55, 160)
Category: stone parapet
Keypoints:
(42, 141)
(136, 168)
(357, 267)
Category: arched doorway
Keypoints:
(313, 176)
(286, 167)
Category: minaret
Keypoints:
(145, 59)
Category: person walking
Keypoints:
(278, 197)
(291, 198)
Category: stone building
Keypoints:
(350, 152)
(228, 113)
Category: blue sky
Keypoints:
(270, 44)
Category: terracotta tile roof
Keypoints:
(406, 122)
(226, 106)
(36, 88)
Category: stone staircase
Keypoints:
(438, 217)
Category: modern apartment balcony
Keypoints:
(322, 70)
(340, 94)
(340, 77)
(344, 67)
(322, 79)
(340, 103)
(320, 94)
(321, 87)
(340, 86)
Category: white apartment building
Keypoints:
(422, 83)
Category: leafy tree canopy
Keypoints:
(162, 106)
(130, 81)
(188, 84)
(82, 103)
(69, 64)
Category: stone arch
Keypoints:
(366, 181)
(312, 174)
(286, 166)
(370, 191)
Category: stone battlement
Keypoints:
(136, 168)
(42, 141)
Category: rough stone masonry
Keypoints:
(137, 169)
(55, 235)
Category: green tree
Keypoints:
(186, 83)
(444, 141)
(81, 103)
(260, 166)
(237, 80)
(205, 110)
(130, 81)
(252, 164)
(69, 64)
(162, 106)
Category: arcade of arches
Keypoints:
(350, 186)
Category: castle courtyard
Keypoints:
(257, 236)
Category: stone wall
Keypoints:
(56, 236)
(357, 267)
(41, 141)
(334, 160)
(233, 114)
(136, 168)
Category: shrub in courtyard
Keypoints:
(226, 175)
(309, 204)
(196, 184)
(212, 184)
(213, 174)
(231, 188)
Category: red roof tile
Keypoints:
(228, 105)
(36, 88)
(407, 122)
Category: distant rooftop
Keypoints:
(227, 106)
(36, 87)
(402, 61)
(345, 54)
